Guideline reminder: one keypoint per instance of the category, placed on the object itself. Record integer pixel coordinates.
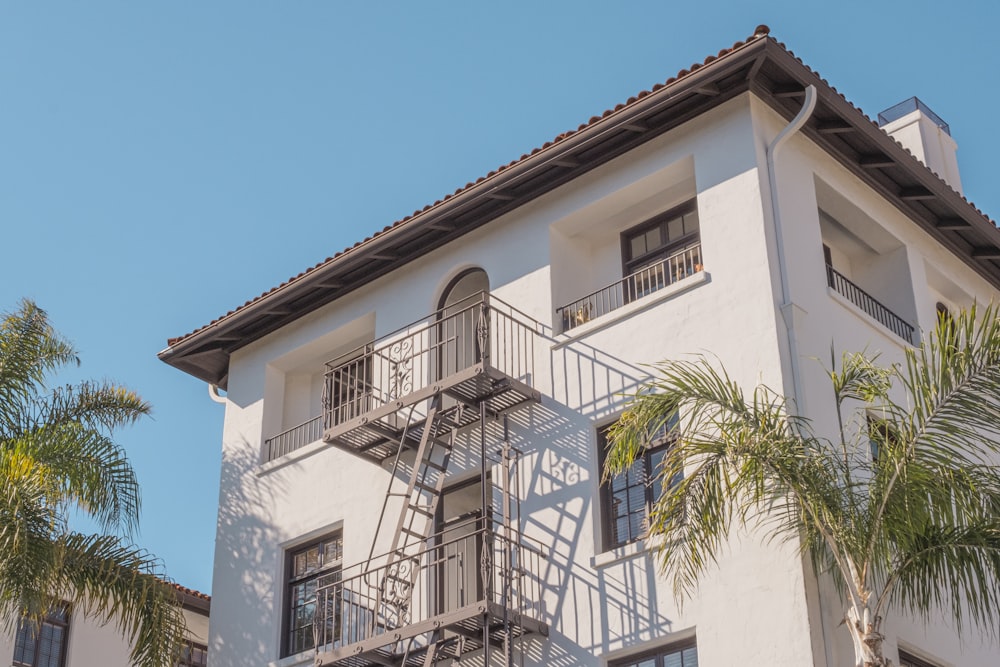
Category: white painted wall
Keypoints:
(916, 272)
(761, 605)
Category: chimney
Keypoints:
(916, 127)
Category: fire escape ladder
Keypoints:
(416, 517)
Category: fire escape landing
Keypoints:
(441, 590)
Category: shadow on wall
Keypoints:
(243, 577)
(589, 610)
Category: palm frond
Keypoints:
(951, 567)
(30, 349)
(123, 585)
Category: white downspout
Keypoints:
(787, 306)
(213, 393)
(786, 302)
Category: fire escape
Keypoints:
(412, 401)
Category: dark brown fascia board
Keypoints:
(960, 209)
(202, 341)
(195, 604)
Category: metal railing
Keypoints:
(293, 438)
(910, 105)
(459, 567)
(645, 281)
(869, 304)
(479, 329)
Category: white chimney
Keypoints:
(922, 131)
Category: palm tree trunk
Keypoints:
(867, 638)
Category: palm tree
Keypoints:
(56, 456)
(901, 507)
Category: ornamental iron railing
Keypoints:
(869, 304)
(645, 281)
(461, 567)
(293, 438)
(478, 330)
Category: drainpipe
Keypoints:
(786, 302)
(213, 393)
(787, 306)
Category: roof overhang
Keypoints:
(760, 65)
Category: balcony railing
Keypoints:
(293, 438)
(462, 573)
(645, 281)
(478, 330)
(869, 304)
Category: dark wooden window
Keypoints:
(907, 660)
(43, 645)
(628, 498)
(657, 239)
(682, 654)
(310, 567)
(193, 654)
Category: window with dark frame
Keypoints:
(43, 645)
(682, 654)
(310, 568)
(193, 654)
(628, 498)
(646, 248)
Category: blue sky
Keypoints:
(162, 163)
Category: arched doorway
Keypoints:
(458, 317)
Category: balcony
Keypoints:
(869, 304)
(478, 351)
(470, 585)
(645, 281)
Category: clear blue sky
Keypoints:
(161, 163)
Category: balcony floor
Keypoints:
(376, 435)
(467, 622)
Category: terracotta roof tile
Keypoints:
(192, 592)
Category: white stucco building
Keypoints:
(69, 638)
(743, 208)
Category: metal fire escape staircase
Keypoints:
(431, 597)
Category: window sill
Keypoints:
(629, 309)
(291, 457)
(619, 554)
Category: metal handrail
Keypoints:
(477, 330)
(291, 439)
(869, 304)
(645, 281)
(449, 573)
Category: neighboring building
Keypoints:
(68, 638)
(667, 226)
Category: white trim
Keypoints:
(618, 554)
